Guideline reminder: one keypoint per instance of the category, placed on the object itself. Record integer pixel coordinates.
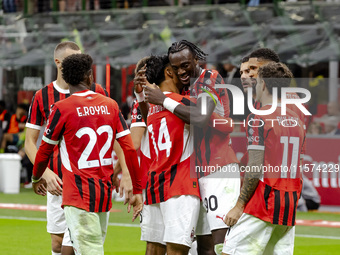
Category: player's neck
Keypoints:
(168, 86)
(61, 83)
(79, 87)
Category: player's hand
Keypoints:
(40, 187)
(53, 183)
(140, 79)
(153, 94)
(137, 202)
(126, 186)
(233, 215)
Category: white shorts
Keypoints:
(87, 230)
(56, 222)
(250, 235)
(219, 193)
(172, 221)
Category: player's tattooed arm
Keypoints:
(252, 175)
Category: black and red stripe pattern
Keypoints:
(273, 205)
(97, 197)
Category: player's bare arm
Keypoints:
(53, 181)
(251, 180)
(125, 182)
(136, 174)
(40, 166)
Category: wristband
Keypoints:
(34, 180)
(140, 96)
(170, 104)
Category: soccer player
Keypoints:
(212, 147)
(264, 216)
(85, 126)
(249, 72)
(172, 201)
(38, 115)
(139, 135)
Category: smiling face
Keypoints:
(185, 65)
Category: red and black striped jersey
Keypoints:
(171, 147)
(282, 138)
(40, 109)
(85, 126)
(292, 107)
(212, 148)
(144, 150)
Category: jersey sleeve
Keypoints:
(206, 85)
(122, 128)
(55, 127)
(35, 118)
(255, 133)
(136, 115)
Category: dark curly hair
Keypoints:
(183, 44)
(76, 68)
(155, 66)
(275, 75)
(265, 54)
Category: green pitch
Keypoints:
(28, 236)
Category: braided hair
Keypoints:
(183, 44)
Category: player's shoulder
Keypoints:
(292, 95)
(211, 74)
(183, 99)
(44, 89)
(99, 89)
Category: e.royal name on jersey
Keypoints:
(92, 110)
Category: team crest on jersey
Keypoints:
(47, 131)
(194, 184)
(208, 81)
(251, 131)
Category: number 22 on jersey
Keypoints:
(83, 161)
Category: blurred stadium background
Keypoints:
(117, 33)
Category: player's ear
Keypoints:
(196, 60)
(263, 84)
(169, 72)
(57, 62)
(90, 77)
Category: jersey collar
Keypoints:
(84, 93)
(60, 90)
